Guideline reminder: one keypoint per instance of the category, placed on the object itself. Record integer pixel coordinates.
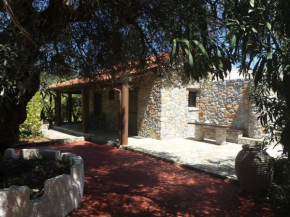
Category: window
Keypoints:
(192, 99)
(97, 103)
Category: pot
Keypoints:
(254, 170)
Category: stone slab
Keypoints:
(28, 154)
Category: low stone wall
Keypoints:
(62, 194)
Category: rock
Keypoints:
(28, 154)
(227, 114)
(229, 106)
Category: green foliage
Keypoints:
(260, 39)
(32, 124)
(255, 34)
(273, 113)
(76, 107)
(201, 44)
(64, 108)
(47, 111)
(279, 193)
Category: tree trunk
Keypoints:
(9, 128)
(16, 115)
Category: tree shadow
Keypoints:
(122, 183)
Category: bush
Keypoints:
(32, 124)
(76, 107)
(279, 193)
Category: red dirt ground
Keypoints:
(122, 183)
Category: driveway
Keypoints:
(122, 183)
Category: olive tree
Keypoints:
(72, 38)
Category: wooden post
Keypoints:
(85, 110)
(58, 109)
(69, 107)
(124, 114)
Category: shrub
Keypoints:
(32, 124)
(279, 193)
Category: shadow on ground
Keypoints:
(122, 183)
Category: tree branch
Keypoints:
(17, 24)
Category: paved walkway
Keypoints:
(121, 183)
(59, 136)
(205, 156)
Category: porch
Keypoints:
(95, 133)
(93, 120)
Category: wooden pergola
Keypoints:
(82, 86)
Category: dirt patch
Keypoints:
(31, 173)
(33, 139)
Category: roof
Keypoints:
(106, 74)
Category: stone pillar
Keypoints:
(58, 109)
(199, 132)
(124, 114)
(69, 107)
(221, 135)
(85, 110)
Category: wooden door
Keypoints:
(133, 110)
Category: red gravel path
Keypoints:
(122, 183)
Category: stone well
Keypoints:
(62, 194)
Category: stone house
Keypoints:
(162, 105)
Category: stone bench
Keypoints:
(220, 132)
(232, 134)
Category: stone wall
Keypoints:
(149, 106)
(227, 103)
(175, 113)
(163, 110)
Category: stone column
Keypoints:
(199, 132)
(69, 108)
(58, 109)
(124, 114)
(85, 110)
(221, 134)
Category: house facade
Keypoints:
(166, 106)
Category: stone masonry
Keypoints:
(163, 110)
(149, 107)
(227, 103)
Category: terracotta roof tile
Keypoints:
(105, 75)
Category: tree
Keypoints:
(259, 35)
(255, 34)
(78, 37)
